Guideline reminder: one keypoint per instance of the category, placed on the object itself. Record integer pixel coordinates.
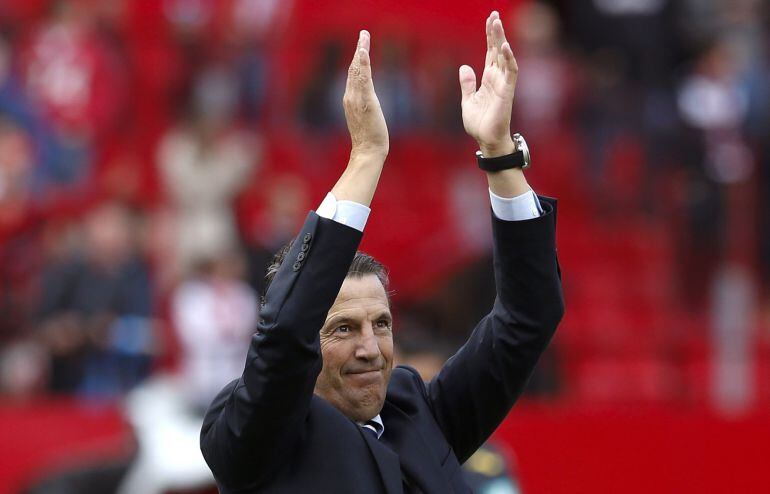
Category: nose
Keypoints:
(368, 347)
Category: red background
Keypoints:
(662, 437)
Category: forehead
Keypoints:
(365, 292)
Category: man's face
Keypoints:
(357, 349)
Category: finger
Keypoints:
(498, 35)
(488, 31)
(493, 57)
(365, 62)
(359, 73)
(502, 32)
(467, 82)
(364, 39)
(509, 64)
(362, 43)
(490, 44)
(359, 69)
(354, 63)
(363, 56)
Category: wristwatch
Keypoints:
(519, 158)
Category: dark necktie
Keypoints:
(372, 428)
(370, 432)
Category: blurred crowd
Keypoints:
(153, 158)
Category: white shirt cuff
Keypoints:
(522, 207)
(348, 213)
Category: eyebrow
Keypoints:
(335, 320)
(339, 319)
(385, 315)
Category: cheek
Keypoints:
(386, 348)
(334, 354)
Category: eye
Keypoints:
(344, 329)
(383, 324)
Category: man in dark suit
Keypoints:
(319, 408)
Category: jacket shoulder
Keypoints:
(406, 388)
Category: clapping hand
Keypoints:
(368, 131)
(487, 110)
(366, 123)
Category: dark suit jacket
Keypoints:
(267, 432)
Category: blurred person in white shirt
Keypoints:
(214, 314)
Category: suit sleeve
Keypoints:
(477, 387)
(254, 423)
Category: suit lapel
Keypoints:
(417, 460)
(387, 462)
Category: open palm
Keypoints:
(487, 110)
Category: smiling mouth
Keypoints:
(371, 375)
(363, 373)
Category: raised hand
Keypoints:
(368, 132)
(366, 123)
(487, 110)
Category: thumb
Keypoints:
(467, 82)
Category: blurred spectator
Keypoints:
(77, 80)
(205, 162)
(421, 349)
(641, 33)
(214, 314)
(96, 307)
(17, 112)
(395, 87)
(710, 97)
(545, 84)
(713, 107)
(251, 68)
(22, 369)
(286, 206)
(19, 261)
(626, 53)
(189, 17)
(436, 81)
(320, 100)
(16, 170)
(254, 27)
(608, 114)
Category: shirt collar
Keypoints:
(375, 424)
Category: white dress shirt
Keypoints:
(522, 207)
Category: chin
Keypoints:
(367, 404)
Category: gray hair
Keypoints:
(363, 264)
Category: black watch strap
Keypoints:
(498, 163)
